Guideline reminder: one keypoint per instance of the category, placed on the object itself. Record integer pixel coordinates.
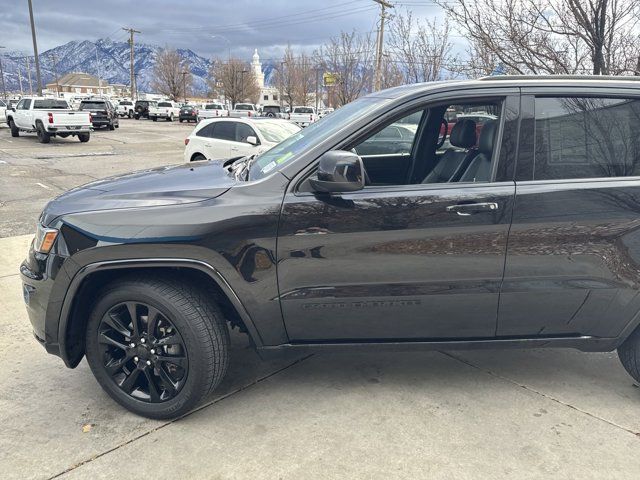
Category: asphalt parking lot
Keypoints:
(513, 414)
(32, 173)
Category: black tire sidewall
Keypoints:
(197, 379)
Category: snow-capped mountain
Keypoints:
(104, 58)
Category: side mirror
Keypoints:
(253, 140)
(339, 171)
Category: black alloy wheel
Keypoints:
(143, 352)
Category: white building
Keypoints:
(268, 95)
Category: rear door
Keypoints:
(222, 136)
(573, 259)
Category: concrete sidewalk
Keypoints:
(464, 415)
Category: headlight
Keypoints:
(45, 238)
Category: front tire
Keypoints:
(629, 354)
(15, 131)
(155, 119)
(178, 323)
(112, 126)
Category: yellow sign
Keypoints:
(329, 79)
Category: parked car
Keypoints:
(102, 113)
(164, 110)
(142, 108)
(303, 116)
(49, 117)
(223, 138)
(528, 240)
(212, 110)
(188, 113)
(244, 110)
(125, 108)
(325, 111)
(3, 112)
(272, 111)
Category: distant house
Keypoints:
(79, 83)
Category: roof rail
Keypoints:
(560, 77)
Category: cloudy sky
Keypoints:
(208, 27)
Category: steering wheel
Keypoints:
(444, 124)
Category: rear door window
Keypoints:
(225, 131)
(586, 137)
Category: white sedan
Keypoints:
(222, 138)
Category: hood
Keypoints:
(192, 182)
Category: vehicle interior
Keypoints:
(440, 144)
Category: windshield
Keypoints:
(213, 106)
(164, 104)
(93, 106)
(50, 104)
(303, 110)
(244, 106)
(276, 132)
(286, 151)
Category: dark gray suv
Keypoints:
(503, 212)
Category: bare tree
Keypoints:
(424, 48)
(549, 36)
(392, 74)
(236, 80)
(286, 77)
(304, 79)
(349, 57)
(168, 75)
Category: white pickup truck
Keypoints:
(303, 116)
(212, 110)
(3, 112)
(48, 117)
(166, 110)
(244, 110)
(125, 108)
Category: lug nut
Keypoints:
(135, 359)
(142, 340)
(132, 345)
(153, 351)
(148, 362)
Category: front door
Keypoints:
(412, 261)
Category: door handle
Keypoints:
(207, 144)
(466, 209)
(234, 149)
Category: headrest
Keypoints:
(487, 136)
(463, 134)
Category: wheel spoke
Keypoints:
(114, 322)
(153, 389)
(130, 381)
(169, 340)
(169, 383)
(179, 360)
(152, 323)
(105, 339)
(135, 325)
(113, 366)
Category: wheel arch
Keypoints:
(90, 279)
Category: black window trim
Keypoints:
(531, 93)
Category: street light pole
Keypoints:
(184, 84)
(35, 49)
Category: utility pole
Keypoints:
(98, 69)
(380, 42)
(184, 74)
(55, 72)
(281, 80)
(317, 87)
(35, 49)
(20, 81)
(26, 60)
(132, 83)
(4, 89)
(242, 84)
